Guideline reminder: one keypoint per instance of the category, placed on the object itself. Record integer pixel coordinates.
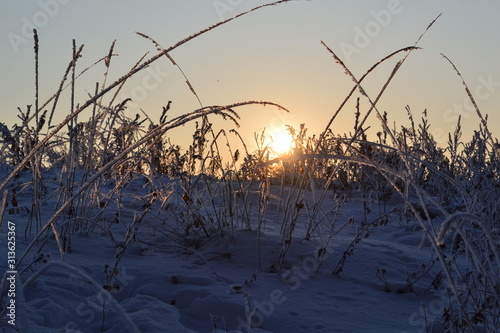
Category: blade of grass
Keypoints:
(89, 102)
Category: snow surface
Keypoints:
(164, 287)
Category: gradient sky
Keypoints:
(273, 54)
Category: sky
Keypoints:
(273, 54)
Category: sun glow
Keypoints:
(281, 142)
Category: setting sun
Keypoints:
(280, 141)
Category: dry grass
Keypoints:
(195, 195)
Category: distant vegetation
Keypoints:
(207, 196)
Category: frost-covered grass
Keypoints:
(119, 229)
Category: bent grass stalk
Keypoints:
(159, 131)
(218, 197)
(484, 122)
(122, 79)
(72, 116)
(429, 232)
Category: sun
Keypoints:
(281, 142)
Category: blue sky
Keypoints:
(272, 54)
